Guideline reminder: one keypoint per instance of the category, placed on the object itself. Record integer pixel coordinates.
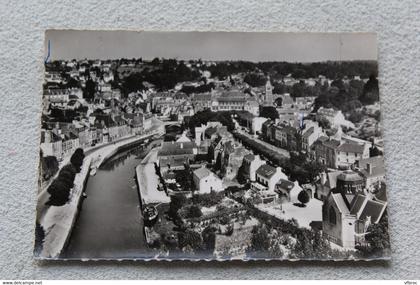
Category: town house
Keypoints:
(251, 163)
(268, 176)
(206, 181)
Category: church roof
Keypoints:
(373, 209)
(341, 204)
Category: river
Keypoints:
(109, 224)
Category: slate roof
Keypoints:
(285, 185)
(177, 148)
(374, 209)
(351, 147)
(341, 204)
(202, 172)
(375, 172)
(309, 132)
(363, 207)
(357, 204)
(349, 175)
(334, 144)
(249, 157)
(332, 179)
(266, 171)
(373, 161)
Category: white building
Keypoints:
(206, 181)
(335, 117)
(288, 191)
(268, 176)
(51, 144)
(257, 123)
(372, 170)
(251, 163)
(310, 134)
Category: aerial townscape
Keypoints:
(194, 159)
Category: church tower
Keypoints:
(268, 99)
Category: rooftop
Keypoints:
(351, 147)
(202, 172)
(266, 171)
(348, 176)
(285, 184)
(341, 204)
(374, 210)
(177, 148)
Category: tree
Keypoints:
(59, 193)
(313, 168)
(275, 248)
(132, 83)
(303, 247)
(377, 238)
(190, 238)
(374, 151)
(355, 116)
(194, 211)
(324, 123)
(177, 201)
(260, 241)
(370, 91)
(269, 112)
(89, 90)
(67, 176)
(208, 199)
(49, 166)
(278, 102)
(209, 239)
(77, 159)
(255, 79)
(303, 197)
(321, 247)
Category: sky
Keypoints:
(248, 46)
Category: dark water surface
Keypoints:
(109, 224)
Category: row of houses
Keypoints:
(60, 139)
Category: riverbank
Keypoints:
(58, 222)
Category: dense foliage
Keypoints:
(202, 117)
(59, 189)
(49, 166)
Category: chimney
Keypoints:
(369, 168)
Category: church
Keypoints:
(268, 97)
(348, 210)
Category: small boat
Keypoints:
(150, 213)
(93, 172)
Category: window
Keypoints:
(332, 216)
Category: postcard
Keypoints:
(211, 146)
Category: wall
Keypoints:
(21, 45)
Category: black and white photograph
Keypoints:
(211, 146)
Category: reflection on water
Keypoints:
(109, 223)
(120, 158)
